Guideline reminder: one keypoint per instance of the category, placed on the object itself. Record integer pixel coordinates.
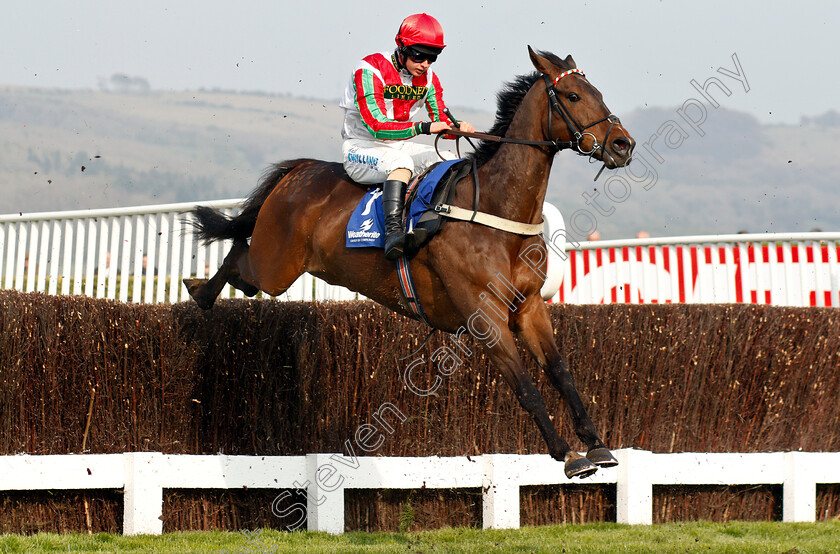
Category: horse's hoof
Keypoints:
(194, 288)
(579, 467)
(194, 284)
(601, 457)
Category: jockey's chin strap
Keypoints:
(577, 131)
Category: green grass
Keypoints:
(735, 537)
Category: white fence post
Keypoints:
(143, 499)
(324, 495)
(799, 490)
(634, 487)
(500, 491)
(144, 475)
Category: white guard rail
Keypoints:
(140, 254)
(323, 478)
(129, 254)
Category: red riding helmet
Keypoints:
(420, 29)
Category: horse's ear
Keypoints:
(571, 62)
(540, 63)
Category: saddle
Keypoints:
(430, 221)
(424, 195)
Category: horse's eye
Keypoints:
(573, 97)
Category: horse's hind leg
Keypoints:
(205, 291)
(534, 328)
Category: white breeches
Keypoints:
(370, 161)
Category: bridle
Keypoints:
(575, 128)
(556, 105)
(577, 131)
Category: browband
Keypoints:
(569, 72)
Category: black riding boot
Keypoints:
(393, 198)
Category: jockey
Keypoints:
(381, 104)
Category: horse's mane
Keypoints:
(508, 101)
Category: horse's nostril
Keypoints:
(621, 144)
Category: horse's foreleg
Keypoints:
(205, 291)
(505, 355)
(534, 328)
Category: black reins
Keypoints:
(555, 105)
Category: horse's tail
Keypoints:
(211, 225)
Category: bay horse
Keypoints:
(297, 217)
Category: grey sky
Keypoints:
(639, 52)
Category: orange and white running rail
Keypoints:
(782, 269)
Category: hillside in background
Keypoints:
(740, 175)
(148, 148)
(66, 150)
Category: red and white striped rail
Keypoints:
(783, 269)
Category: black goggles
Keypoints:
(419, 57)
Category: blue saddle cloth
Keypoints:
(367, 224)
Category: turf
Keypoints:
(734, 537)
